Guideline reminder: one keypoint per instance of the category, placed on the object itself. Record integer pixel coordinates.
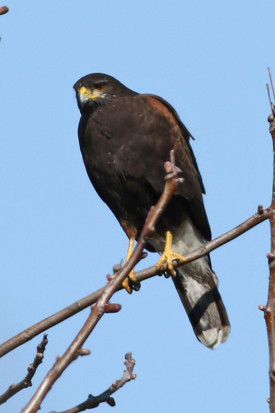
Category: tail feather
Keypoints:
(197, 285)
(203, 304)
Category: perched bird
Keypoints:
(125, 138)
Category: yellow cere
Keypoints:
(88, 93)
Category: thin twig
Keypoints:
(272, 106)
(269, 309)
(27, 381)
(80, 353)
(271, 82)
(142, 275)
(105, 397)
(99, 309)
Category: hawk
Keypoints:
(125, 137)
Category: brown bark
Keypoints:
(269, 310)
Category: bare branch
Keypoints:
(94, 401)
(142, 275)
(269, 309)
(109, 290)
(48, 322)
(80, 353)
(27, 381)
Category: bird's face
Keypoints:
(95, 90)
(90, 94)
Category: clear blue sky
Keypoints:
(58, 240)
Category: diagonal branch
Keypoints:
(102, 305)
(27, 381)
(94, 401)
(142, 275)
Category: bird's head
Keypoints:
(98, 89)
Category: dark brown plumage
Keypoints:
(125, 138)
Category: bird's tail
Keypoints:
(202, 302)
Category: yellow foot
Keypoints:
(169, 256)
(130, 283)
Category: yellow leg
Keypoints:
(169, 255)
(130, 248)
(131, 276)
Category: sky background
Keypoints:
(58, 240)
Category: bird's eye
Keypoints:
(99, 86)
